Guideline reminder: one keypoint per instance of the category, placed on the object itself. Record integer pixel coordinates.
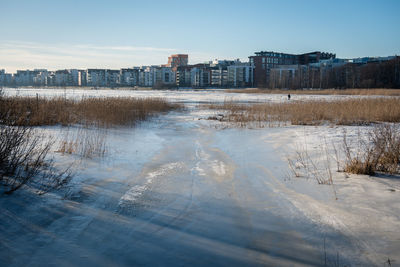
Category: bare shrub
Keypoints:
(24, 158)
(380, 152)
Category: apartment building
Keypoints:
(62, 78)
(164, 77)
(264, 61)
(183, 76)
(177, 60)
(146, 76)
(25, 77)
(5, 78)
(112, 78)
(240, 75)
(200, 76)
(129, 77)
(219, 77)
(96, 77)
(219, 72)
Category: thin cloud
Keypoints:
(22, 55)
(16, 55)
(127, 48)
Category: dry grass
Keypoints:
(383, 92)
(358, 111)
(103, 112)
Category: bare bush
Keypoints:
(24, 158)
(379, 153)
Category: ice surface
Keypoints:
(178, 190)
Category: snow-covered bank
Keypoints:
(366, 210)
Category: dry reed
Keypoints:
(379, 91)
(87, 143)
(103, 112)
(358, 111)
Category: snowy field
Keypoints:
(181, 190)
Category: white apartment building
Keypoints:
(146, 76)
(240, 75)
(200, 77)
(219, 77)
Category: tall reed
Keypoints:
(341, 112)
(379, 91)
(103, 112)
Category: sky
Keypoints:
(118, 34)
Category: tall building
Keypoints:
(177, 60)
(264, 61)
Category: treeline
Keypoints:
(384, 74)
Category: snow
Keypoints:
(179, 190)
(134, 193)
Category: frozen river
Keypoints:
(178, 191)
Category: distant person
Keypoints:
(288, 96)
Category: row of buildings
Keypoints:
(176, 73)
(265, 69)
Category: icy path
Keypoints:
(177, 192)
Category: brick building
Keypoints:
(177, 60)
(264, 61)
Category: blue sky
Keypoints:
(115, 34)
